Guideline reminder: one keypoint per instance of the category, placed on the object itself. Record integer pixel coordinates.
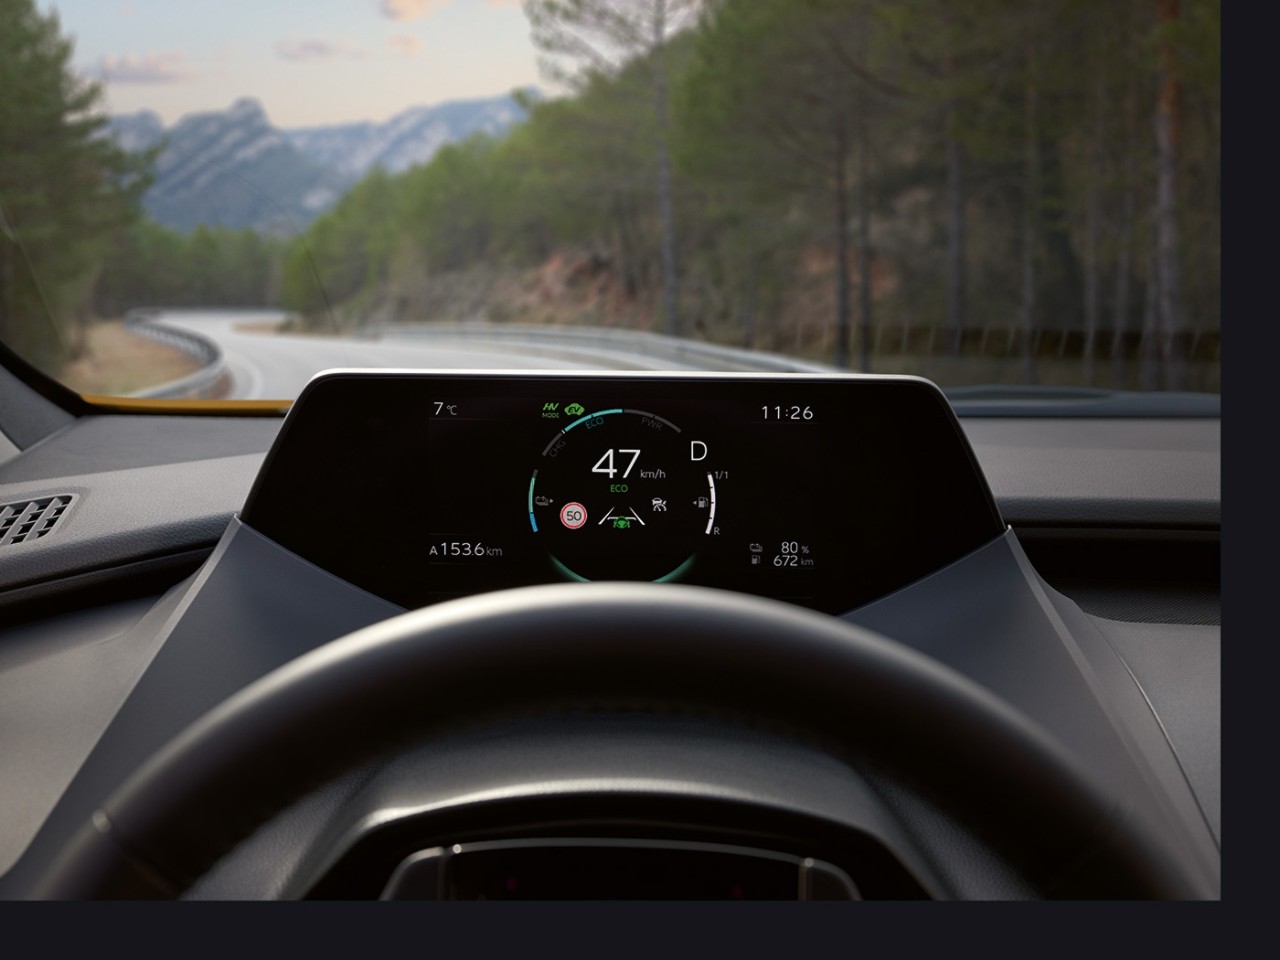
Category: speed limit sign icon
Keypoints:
(573, 515)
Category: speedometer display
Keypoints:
(822, 491)
(623, 494)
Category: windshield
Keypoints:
(217, 201)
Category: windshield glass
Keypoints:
(217, 201)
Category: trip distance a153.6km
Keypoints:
(463, 549)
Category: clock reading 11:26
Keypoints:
(793, 412)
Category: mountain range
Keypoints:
(233, 168)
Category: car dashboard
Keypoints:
(507, 635)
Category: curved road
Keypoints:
(267, 366)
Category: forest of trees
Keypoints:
(842, 173)
(151, 265)
(848, 180)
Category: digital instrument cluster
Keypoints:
(821, 491)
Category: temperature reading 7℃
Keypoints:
(782, 412)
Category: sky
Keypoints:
(310, 62)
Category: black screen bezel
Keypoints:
(342, 483)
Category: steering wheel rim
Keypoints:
(540, 648)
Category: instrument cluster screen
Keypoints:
(824, 492)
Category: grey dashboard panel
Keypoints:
(1145, 601)
(1102, 472)
(8, 449)
(122, 516)
(991, 617)
(26, 417)
(250, 609)
(61, 682)
(103, 444)
(1179, 669)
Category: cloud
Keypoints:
(404, 45)
(410, 9)
(166, 67)
(315, 49)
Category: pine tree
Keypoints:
(603, 36)
(64, 186)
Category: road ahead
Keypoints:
(266, 366)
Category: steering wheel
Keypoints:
(510, 653)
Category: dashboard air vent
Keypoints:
(28, 520)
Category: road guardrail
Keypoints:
(210, 382)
